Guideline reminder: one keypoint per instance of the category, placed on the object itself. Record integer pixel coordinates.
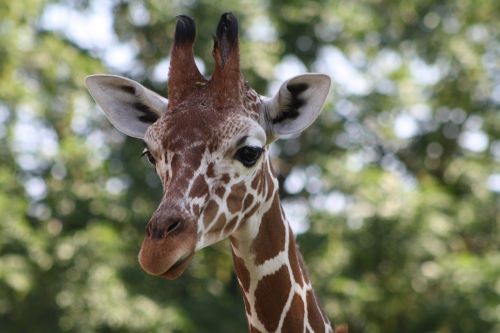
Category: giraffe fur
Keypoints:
(209, 144)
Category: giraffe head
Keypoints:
(208, 143)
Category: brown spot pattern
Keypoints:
(231, 224)
(305, 273)
(248, 309)
(256, 180)
(294, 320)
(225, 178)
(219, 191)
(199, 188)
(210, 211)
(293, 254)
(269, 308)
(269, 187)
(219, 225)
(270, 239)
(196, 209)
(314, 315)
(250, 212)
(242, 272)
(210, 170)
(195, 114)
(248, 201)
(234, 201)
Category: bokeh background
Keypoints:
(393, 192)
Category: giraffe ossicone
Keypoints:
(209, 144)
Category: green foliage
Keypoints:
(399, 177)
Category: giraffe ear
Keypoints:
(128, 105)
(295, 106)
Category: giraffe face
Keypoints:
(208, 143)
(207, 161)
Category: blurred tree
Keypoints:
(397, 185)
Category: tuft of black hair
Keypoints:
(127, 89)
(226, 36)
(185, 30)
(147, 114)
(297, 88)
(290, 110)
(227, 29)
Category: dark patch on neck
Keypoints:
(128, 89)
(269, 309)
(270, 239)
(185, 30)
(147, 114)
(291, 109)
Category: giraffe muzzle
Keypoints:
(168, 246)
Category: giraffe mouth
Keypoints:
(177, 268)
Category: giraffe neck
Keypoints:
(273, 280)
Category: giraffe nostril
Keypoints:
(159, 229)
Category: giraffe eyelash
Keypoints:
(149, 156)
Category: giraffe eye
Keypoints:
(149, 156)
(248, 155)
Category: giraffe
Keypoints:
(209, 144)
